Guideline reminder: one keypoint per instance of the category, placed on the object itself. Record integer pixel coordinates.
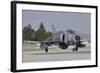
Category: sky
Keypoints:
(80, 22)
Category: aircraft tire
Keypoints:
(46, 49)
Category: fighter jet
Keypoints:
(63, 39)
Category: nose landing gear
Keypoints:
(44, 46)
(78, 43)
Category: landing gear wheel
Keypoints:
(46, 49)
(76, 48)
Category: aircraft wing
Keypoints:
(49, 41)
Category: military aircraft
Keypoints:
(63, 39)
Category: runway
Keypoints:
(63, 55)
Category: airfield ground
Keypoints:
(33, 53)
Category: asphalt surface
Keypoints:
(58, 55)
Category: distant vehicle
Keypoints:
(63, 39)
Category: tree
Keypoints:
(48, 34)
(32, 36)
(40, 33)
(28, 33)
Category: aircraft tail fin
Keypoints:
(54, 29)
